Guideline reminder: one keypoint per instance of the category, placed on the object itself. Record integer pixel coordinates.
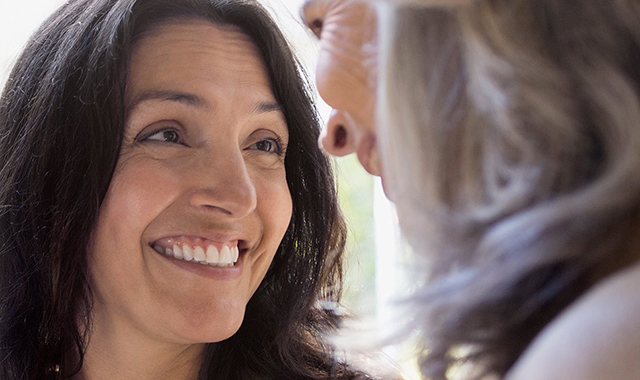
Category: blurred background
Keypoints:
(374, 245)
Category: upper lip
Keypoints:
(219, 237)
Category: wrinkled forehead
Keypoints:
(181, 25)
(220, 47)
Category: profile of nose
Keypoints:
(341, 138)
(337, 140)
(223, 184)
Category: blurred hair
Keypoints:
(61, 125)
(512, 131)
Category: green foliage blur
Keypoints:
(355, 193)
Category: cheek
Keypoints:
(334, 77)
(115, 251)
(343, 83)
(342, 75)
(276, 208)
(137, 194)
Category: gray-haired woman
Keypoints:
(507, 133)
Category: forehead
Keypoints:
(194, 31)
(201, 67)
(183, 52)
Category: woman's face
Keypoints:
(346, 74)
(200, 182)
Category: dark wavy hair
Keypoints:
(61, 125)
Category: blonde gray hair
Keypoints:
(511, 133)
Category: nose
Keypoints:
(224, 185)
(341, 139)
(337, 140)
(368, 155)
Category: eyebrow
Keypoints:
(265, 107)
(192, 100)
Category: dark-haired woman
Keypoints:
(165, 212)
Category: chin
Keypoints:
(205, 329)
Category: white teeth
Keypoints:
(177, 252)
(235, 253)
(198, 254)
(212, 255)
(188, 252)
(225, 256)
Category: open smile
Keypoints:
(199, 251)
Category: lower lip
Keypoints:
(218, 273)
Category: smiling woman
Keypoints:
(214, 154)
(166, 212)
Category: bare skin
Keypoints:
(595, 338)
(346, 76)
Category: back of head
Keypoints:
(512, 130)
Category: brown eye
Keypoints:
(164, 135)
(269, 146)
(316, 27)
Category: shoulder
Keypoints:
(597, 337)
